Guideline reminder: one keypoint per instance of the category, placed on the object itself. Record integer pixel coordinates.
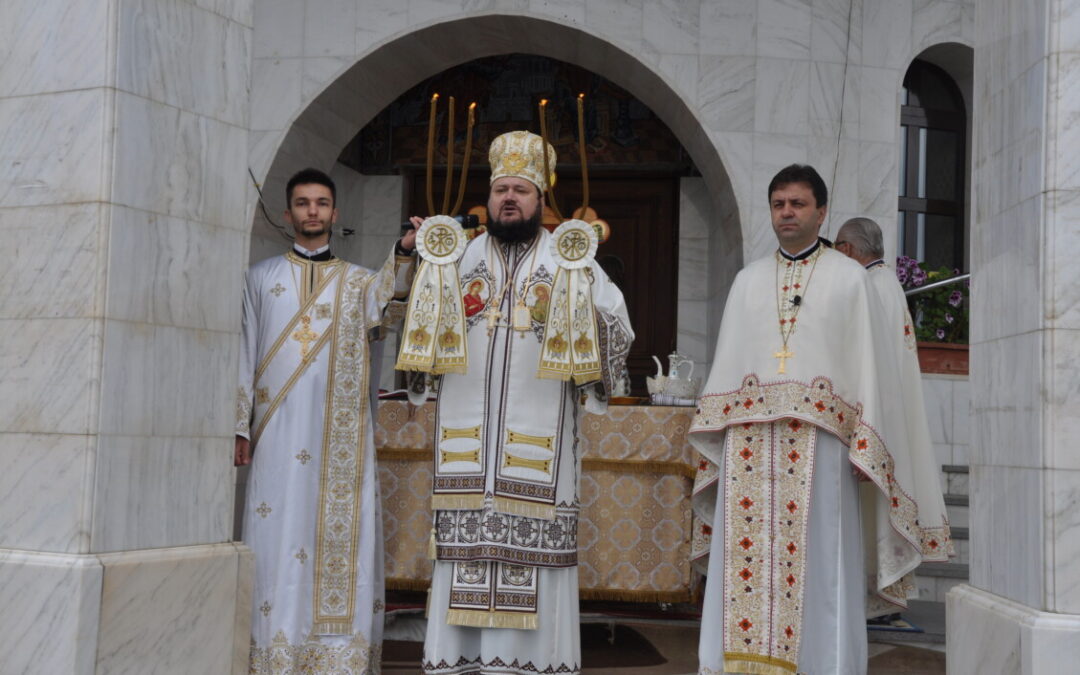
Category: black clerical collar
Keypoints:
(320, 254)
(877, 263)
(803, 254)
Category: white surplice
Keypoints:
(312, 516)
(783, 530)
(504, 595)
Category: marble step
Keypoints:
(954, 479)
(927, 615)
(933, 580)
(956, 507)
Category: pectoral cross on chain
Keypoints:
(492, 315)
(305, 336)
(783, 355)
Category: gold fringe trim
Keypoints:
(586, 377)
(450, 370)
(545, 374)
(518, 507)
(457, 502)
(401, 584)
(332, 628)
(755, 664)
(431, 552)
(417, 367)
(637, 466)
(481, 619)
(404, 454)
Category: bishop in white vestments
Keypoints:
(795, 413)
(504, 596)
(304, 422)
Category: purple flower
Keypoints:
(948, 318)
(956, 298)
(940, 334)
(918, 277)
(901, 274)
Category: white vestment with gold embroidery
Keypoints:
(506, 476)
(900, 330)
(782, 529)
(312, 516)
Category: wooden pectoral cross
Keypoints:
(783, 355)
(305, 336)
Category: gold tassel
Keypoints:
(552, 375)
(755, 664)
(517, 507)
(454, 502)
(482, 619)
(332, 628)
(431, 553)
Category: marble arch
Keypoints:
(341, 94)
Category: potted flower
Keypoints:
(940, 316)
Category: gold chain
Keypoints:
(787, 325)
(508, 282)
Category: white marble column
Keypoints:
(1021, 612)
(123, 191)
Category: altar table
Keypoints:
(635, 524)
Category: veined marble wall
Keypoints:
(1021, 613)
(123, 193)
(127, 128)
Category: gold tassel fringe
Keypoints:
(450, 370)
(332, 628)
(417, 367)
(754, 664)
(457, 502)
(518, 507)
(431, 552)
(481, 619)
(545, 374)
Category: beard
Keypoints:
(515, 231)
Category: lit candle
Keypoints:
(431, 155)
(449, 159)
(581, 150)
(465, 158)
(543, 151)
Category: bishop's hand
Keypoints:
(408, 241)
(242, 452)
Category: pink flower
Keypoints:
(956, 298)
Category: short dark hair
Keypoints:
(309, 176)
(801, 173)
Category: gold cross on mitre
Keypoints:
(783, 355)
(304, 335)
